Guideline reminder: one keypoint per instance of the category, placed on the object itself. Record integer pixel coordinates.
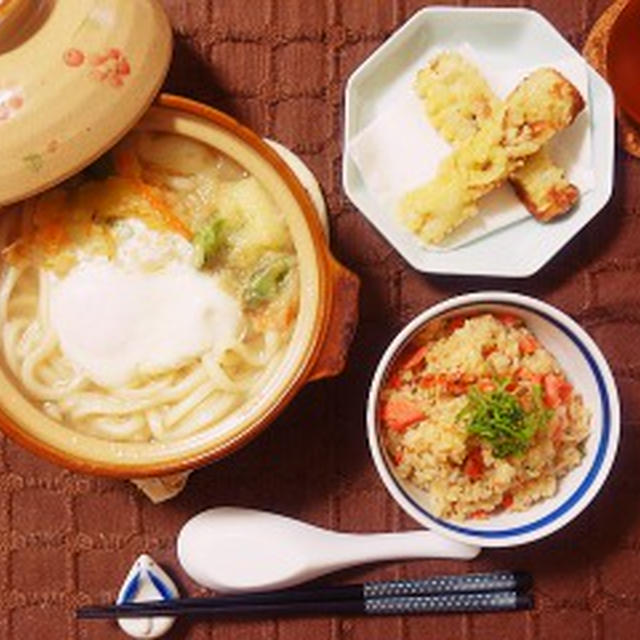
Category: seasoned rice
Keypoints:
(427, 409)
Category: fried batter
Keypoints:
(544, 103)
(458, 100)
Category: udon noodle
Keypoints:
(151, 297)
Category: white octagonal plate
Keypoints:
(501, 35)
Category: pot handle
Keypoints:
(342, 322)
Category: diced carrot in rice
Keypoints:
(507, 500)
(474, 464)
(528, 345)
(526, 374)
(557, 390)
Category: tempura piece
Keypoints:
(457, 100)
(456, 97)
(544, 103)
(543, 187)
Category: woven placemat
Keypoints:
(280, 67)
(595, 51)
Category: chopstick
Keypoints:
(496, 591)
(435, 585)
(445, 603)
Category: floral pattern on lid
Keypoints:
(11, 101)
(35, 161)
(110, 66)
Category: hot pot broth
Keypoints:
(148, 298)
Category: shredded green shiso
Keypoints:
(498, 418)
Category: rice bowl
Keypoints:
(562, 484)
(479, 414)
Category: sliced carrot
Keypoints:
(128, 166)
(287, 315)
(416, 357)
(399, 414)
(160, 205)
(528, 345)
(474, 464)
(557, 390)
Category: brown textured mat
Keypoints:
(280, 66)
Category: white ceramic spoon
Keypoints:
(229, 549)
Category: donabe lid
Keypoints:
(75, 76)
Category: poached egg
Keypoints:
(147, 311)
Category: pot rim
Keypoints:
(297, 377)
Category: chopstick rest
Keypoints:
(146, 582)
